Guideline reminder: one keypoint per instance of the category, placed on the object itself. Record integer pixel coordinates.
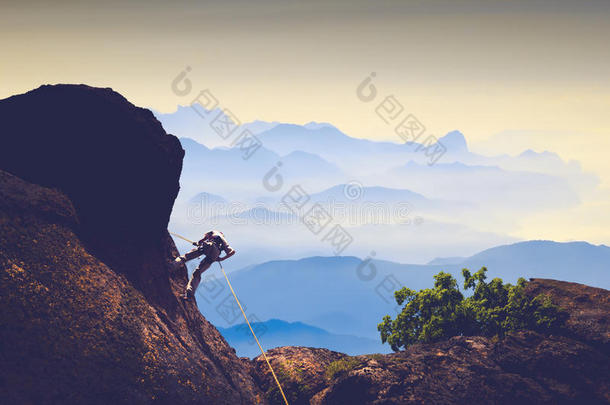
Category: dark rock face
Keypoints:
(526, 367)
(89, 312)
(112, 159)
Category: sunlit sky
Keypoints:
(511, 75)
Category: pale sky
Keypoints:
(510, 75)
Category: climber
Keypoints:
(211, 245)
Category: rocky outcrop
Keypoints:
(300, 370)
(89, 310)
(526, 367)
(113, 161)
(588, 309)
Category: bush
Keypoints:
(494, 309)
(341, 367)
(292, 383)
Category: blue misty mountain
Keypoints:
(326, 139)
(310, 163)
(225, 172)
(320, 155)
(317, 138)
(223, 162)
(447, 260)
(208, 198)
(227, 165)
(580, 262)
(457, 167)
(316, 125)
(286, 138)
(329, 143)
(313, 137)
(259, 215)
(341, 193)
(492, 186)
(354, 154)
(185, 122)
(307, 290)
(275, 333)
(498, 190)
(531, 154)
(345, 295)
(369, 199)
(572, 261)
(455, 142)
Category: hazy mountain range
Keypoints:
(388, 195)
(275, 333)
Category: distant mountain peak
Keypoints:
(190, 142)
(447, 260)
(454, 141)
(530, 153)
(302, 154)
(318, 125)
(208, 198)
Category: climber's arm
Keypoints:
(227, 255)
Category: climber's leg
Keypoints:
(211, 257)
(180, 260)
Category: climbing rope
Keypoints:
(183, 238)
(254, 334)
(247, 321)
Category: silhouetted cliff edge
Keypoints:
(89, 311)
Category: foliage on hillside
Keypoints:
(341, 367)
(494, 309)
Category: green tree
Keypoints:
(493, 309)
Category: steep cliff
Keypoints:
(526, 367)
(89, 310)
